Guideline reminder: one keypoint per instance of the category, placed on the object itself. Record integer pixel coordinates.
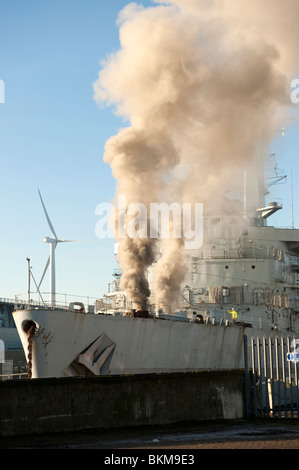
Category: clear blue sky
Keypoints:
(52, 136)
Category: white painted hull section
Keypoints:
(141, 345)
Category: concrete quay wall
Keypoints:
(71, 404)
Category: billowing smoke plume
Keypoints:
(139, 157)
(203, 85)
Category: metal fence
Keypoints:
(271, 377)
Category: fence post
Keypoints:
(247, 381)
(254, 376)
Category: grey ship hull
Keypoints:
(68, 344)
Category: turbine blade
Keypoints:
(76, 241)
(48, 219)
(44, 273)
(46, 268)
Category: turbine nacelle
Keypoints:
(50, 240)
(56, 240)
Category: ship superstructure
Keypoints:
(254, 270)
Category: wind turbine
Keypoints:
(51, 260)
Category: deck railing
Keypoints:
(64, 302)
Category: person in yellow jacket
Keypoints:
(233, 313)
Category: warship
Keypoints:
(243, 281)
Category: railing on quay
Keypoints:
(15, 376)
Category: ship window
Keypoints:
(226, 267)
(253, 266)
